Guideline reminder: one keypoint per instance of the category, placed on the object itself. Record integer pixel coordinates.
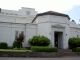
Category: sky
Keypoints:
(70, 7)
(74, 13)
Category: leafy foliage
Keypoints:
(18, 40)
(16, 44)
(43, 49)
(74, 42)
(39, 41)
(77, 49)
(3, 45)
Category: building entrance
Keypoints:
(58, 38)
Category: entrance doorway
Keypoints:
(58, 37)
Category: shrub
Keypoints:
(74, 42)
(3, 45)
(39, 41)
(77, 49)
(16, 44)
(43, 49)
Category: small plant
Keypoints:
(18, 40)
(3, 45)
(39, 41)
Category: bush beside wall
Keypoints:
(3, 45)
(74, 42)
(39, 41)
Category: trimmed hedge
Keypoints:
(74, 42)
(3, 45)
(43, 49)
(39, 41)
(76, 49)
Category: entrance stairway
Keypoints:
(66, 52)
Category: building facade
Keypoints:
(56, 26)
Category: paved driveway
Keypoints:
(13, 58)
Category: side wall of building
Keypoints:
(8, 30)
(44, 26)
(15, 19)
(74, 30)
(31, 30)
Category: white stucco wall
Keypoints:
(62, 25)
(15, 19)
(12, 21)
(7, 32)
(59, 19)
(21, 12)
(27, 11)
(74, 30)
(42, 19)
(45, 28)
(31, 30)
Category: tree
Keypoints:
(73, 21)
(19, 38)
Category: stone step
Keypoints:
(64, 50)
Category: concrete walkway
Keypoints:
(17, 58)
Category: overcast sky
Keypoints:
(63, 6)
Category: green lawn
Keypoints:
(14, 50)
